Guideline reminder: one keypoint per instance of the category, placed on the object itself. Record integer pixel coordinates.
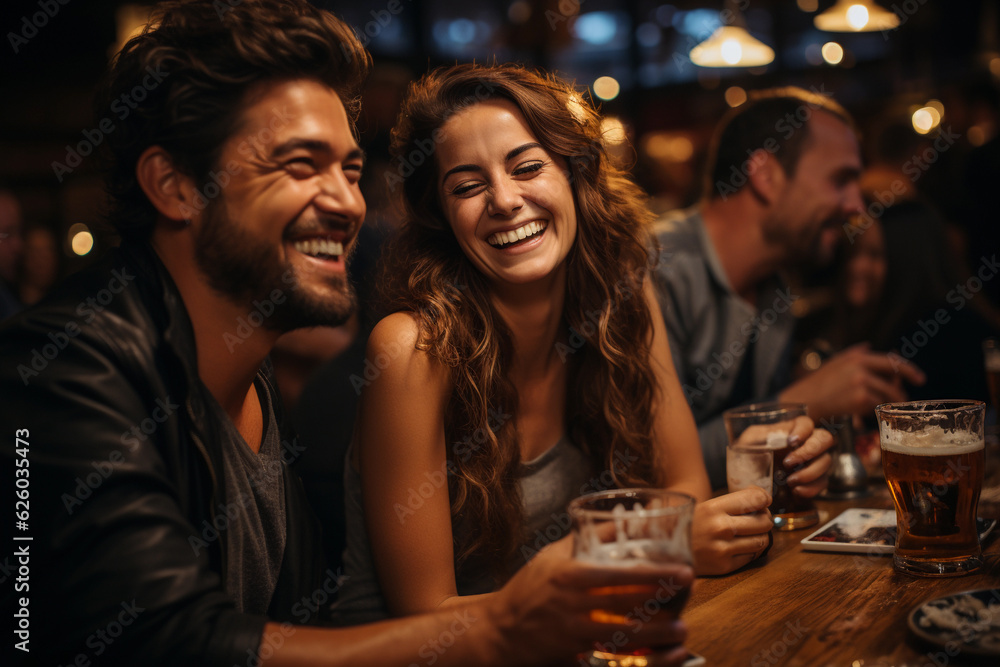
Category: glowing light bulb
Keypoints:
(731, 51)
(857, 16)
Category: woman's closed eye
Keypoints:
(466, 187)
(528, 168)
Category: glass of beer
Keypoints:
(765, 427)
(629, 527)
(933, 459)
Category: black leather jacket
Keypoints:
(126, 506)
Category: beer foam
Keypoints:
(930, 441)
(637, 552)
(639, 538)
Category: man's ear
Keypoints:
(172, 192)
(766, 176)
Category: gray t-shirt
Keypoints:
(253, 518)
(547, 483)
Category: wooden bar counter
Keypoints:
(816, 609)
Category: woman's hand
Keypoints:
(730, 531)
(808, 464)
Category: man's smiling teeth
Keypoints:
(317, 247)
(500, 239)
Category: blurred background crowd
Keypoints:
(922, 79)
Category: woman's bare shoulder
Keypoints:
(392, 349)
(400, 328)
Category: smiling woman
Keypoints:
(529, 361)
(507, 198)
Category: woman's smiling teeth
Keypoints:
(500, 239)
(319, 247)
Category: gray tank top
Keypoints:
(548, 483)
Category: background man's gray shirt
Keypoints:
(710, 327)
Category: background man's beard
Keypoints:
(801, 249)
(251, 273)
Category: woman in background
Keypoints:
(927, 311)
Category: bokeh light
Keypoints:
(976, 135)
(519, 12)
(833, 53)
(613, 131)
(735, 96)
(81, 241)
(607, 87)
(925, 119)
(814, 54)
(668, 147)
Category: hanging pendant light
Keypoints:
(856, 16)
(731, 46)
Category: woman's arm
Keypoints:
(403, 469)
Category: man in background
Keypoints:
(781, 183)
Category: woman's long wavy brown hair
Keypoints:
(611, 389)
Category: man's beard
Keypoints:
(249, 272)
(803, 250)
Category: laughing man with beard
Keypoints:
(782, 180)
(138, 408)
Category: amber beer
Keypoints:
(629, 528)
(935, 474)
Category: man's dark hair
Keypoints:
(775, 120)
(183, 83)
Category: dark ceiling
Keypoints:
(46, 84)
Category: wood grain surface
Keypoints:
(813, 609)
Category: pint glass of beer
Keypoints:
(932, 456)
(765, 428)
(629, 527)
